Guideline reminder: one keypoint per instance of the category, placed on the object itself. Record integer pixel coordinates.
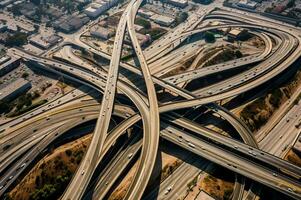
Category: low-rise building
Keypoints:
(145, 13)
(237, 33)
(44, 42)
(162, 20)
(178, 3)
(14, 89)
(138, 28)
(247, 4)
(204, 196)
(4, 59)
(71, 22)
(8, 64)
(98, 7)
(101, 32)
(5, 3)
(143, 39)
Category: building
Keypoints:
(162, 20)
(71, 22)
(145, 13)
(143, 39)
(178, 3)
(14, 89)
(5, 3)
(204, 196)
(247, 4)
(237, 33)
(98, 7)
(101, 32)
(44, 42)
(7, 64)
(138, 28)
(4, 59)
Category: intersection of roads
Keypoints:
(28, 135)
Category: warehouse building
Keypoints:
(14, 89)
(101, 32)
(99, 7)
(44, 42)
(7, 64)
(162, 20)
(145, 13)
(178, 3)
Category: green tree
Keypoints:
(17, 39)
(142, 22)
(4, 106)
(182, 17)
(36, 2)
(25, 75)
(238, 54)
(209, 37)
(291, 4)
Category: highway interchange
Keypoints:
(159, 119)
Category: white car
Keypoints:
(168, 190)
(130, 155)
(191, 145)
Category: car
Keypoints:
(167, 190)
(23, 165)
(274, 174)
(83, 172)
(130, 155)
(191, 145)
(11, 177)
(289, 189)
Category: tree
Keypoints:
(4, 106)
(183, 16)
(36, 2)
(84, 52)
(209, 37)
(16, 10)
(291, 4)
(81, 6)
(142, 22)
(25, 75)
(17, 39)
(238, 54)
